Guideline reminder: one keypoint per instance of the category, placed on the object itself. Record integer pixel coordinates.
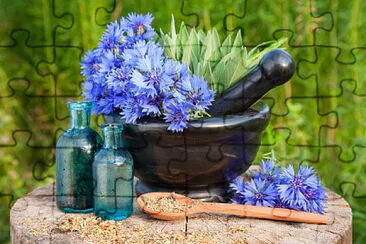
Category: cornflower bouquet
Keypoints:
(281, 188)
(137, 73)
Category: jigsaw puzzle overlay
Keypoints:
(317, 117)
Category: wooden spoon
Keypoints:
(195, 206)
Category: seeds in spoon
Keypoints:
(168, 204)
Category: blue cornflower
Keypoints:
(197, 92)
(109, 62)
(175, 72)
(238, 184)
(90, 63)
(118, 79)
(139, 26)
(301, 191)
(238, 187)
(177, 115)
(131, 108)
(149, 73)
(107, 104)
(111, 38)
(316, 198)
(152, 106)
(93, 92)
(269, 171)
(132, 55)
(259, 193)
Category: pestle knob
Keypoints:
(274, 69)
(277, 66)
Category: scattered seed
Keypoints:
(90, 229)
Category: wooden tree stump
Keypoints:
(36, 219)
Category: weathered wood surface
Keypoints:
(34, 219)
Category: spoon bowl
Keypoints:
(194, 206)
(141, 201)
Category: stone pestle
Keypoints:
(274, 69)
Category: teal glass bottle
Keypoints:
(75, 151)
(113, 176)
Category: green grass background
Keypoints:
(317, 116)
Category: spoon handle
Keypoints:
(263, 212)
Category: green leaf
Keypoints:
(238, 43)
(173, 40)
(183, 33)
(195, 42)
(169, 50)
(211, 78)
(208, 52)
(219, 76)
(238, 71)
(192, 48)
(201, 36)
(215, 39)
(226, 46)
(193, 64)
(202, 40)
(215, 45)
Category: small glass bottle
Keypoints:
(75, 151)
(113, 176)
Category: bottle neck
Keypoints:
(80, 118)
(112, 139)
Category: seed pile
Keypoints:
(90, 229)
(168, 204)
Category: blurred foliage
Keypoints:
(317, 117)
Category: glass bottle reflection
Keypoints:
(75, 151)
(113, 176)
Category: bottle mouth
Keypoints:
(80, 104)
(112, 126)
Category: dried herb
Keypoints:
(167, 204)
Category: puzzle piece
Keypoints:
(300, 138)
(345, 35)
(349, 106)
(26, 57)
(328, 84)
(41, 33)
(299, 25)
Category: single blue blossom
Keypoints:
(316, 198)
(139, 26)
(131, 109)
(177, 115)
(90, 64)
(152, 106)
(111, 38)
(259, 193)
(118, 79)
(131, 56)
(269, 171)
(175, 74)
(238, 184)
(197, 92)
(107, 104)
(301, 190)
(109, 62)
